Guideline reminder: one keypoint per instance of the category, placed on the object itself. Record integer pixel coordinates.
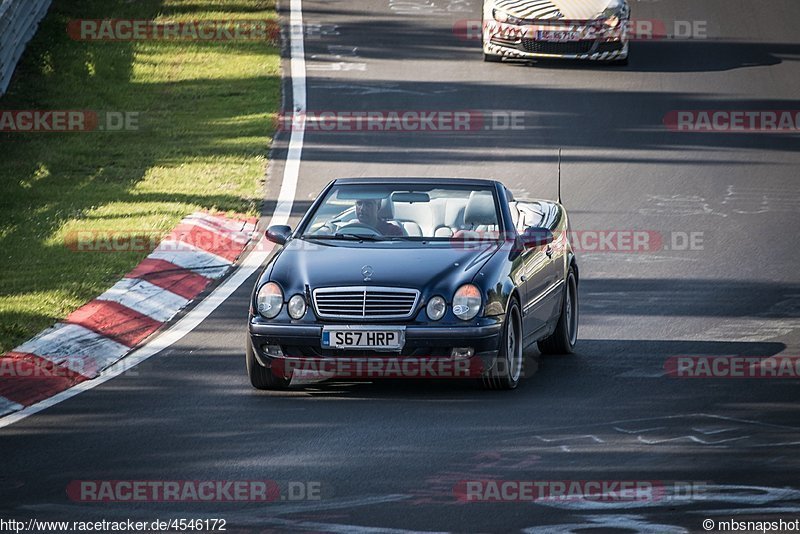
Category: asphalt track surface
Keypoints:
(388, 455)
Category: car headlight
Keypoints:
(297, 307)
(467, 302)
(436, 308)
(269, 300)
(614, 14)
(505, 18)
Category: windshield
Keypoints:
(410, 211)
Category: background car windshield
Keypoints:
(405, 211)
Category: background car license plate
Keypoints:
(557, 36)
(363, 338)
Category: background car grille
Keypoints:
(365, 302)
(545, 47)
(610, 46)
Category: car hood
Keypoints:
(420, 266)
(554, 9)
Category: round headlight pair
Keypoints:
(297, 306)
(466, 304)
(436, 308)
(269, 302)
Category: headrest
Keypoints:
(480, 209)
(386, 211)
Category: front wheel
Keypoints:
(507, 370)
(563, 340)
(261, 377)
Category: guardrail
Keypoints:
(19, 20)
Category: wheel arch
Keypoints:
(573, 263)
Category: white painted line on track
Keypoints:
(73, 346)
(148, 299)
(250, 264)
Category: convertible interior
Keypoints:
(451, 217)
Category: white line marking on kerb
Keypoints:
(143, 297)
(249, 265)
(7, 405)
(74, 346)
(191, 257)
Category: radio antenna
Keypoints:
(559, 176)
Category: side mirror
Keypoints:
(279, 234)
(536, 236)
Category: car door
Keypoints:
(543, 285)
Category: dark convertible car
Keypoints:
(423, 270)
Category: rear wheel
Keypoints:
(260, 376)
(507, 370)
(563, 340)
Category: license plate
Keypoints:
(557, 36)
(359, 337)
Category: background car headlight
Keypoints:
(505, 18)
(467, 302)
(436, 308)
(269, 300)
(297, 307)
(614, 14)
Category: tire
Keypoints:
(563, 340)
(507, 370)
(261, 377)
(619, 62)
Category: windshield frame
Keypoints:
(322, 199)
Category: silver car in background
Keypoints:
(566, 29)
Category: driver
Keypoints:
(367, 213)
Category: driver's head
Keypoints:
(367, 211)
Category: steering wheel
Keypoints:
(361, 229)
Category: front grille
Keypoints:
(547, 47)
(365, 302)
(503, 41)
(610, 46)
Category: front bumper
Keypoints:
(520, 42)
(300, 348)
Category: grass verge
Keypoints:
(205, 113)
